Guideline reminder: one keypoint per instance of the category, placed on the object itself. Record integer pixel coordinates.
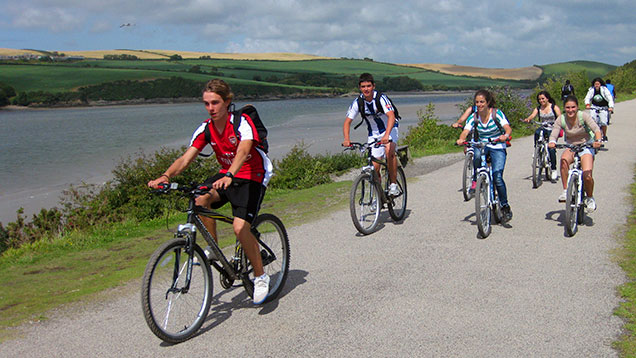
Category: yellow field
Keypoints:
(163, 54)
(522, 73)
(14, 52)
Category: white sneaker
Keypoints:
(554, 175)
(563, 196)
(261, 288)
(393, 189)
(590, 205)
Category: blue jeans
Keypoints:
(551, 151)
(498, 162)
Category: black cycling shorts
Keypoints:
(244, 195)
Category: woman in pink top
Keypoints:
(576, 132)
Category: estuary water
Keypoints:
(43, 151)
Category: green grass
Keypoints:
(593, 69)
(627, 309)
(57, 77)
(43, 276)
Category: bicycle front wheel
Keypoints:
(274, 248)
(482, 206)
(571, 208)
(536, 166)
(174, 308)
(364, 204)
(467, 176)
(397, 203)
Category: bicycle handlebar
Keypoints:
(187, 190)
(575, 147)
(361, 146)
(472, 143)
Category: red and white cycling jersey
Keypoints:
(257, 166)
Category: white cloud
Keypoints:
(495, 33)
(54, 19)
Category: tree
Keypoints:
(176, 57)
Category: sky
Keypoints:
(494, 34)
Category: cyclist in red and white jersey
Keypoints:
(245, 172)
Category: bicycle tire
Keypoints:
(547, 165)
(274, 249)
(571, 209)
(467, 176)
(397, 203)
(174, 317)
(536, 167)
(361, 201)
(497, 215)
(580, 215)
(482, 208)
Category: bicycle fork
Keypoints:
(187, 232)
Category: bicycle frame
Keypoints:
(188, 232)
(370, 168)
(575, 170)
(485, 169)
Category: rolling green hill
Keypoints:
(592, 69)
(266, 77)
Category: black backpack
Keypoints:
(251, 112)
(567, 90)
(378, 105)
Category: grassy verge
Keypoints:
(627, 309)
(47, 275)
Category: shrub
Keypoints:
(299, 170)
(428, 132)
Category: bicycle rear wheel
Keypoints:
(173, 311)
(274, 248)
(482, 208)
(536, 166)
(571, 209)
(397, 203)
(467, 176)
(364, 204)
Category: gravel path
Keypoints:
(428, 286)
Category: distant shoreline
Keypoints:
(141, 101)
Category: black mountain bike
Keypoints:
(177, 285)
(541, 159)
(369, 193)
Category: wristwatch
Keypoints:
(229, 175)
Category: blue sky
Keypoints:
(499, 33)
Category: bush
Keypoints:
(553, 85)
(299, 170)
(513, 105)
(428, 132)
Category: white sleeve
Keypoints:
(470, 121)
(589, 95)
(353, 109)
(386, 104)
(503, 120)
(245, 130)
(608, 96)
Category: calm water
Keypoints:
(43, 151)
